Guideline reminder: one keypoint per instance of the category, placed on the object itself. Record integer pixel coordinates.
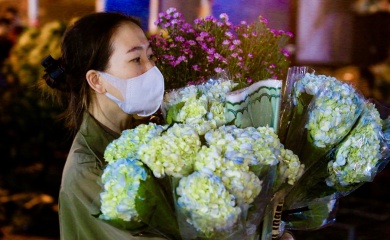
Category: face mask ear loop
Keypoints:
(117, 83)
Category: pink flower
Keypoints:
(229, 35)
(226, 42)
(218, 70)
(179, 39)
(210, 45)
(224, 17)
(196, 67)
(232, 47)
(285, 52)
(236, 42)
(191, 42)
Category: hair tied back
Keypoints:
(55, 73)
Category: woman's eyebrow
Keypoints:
(138, 48)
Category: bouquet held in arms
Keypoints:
(216, 177)
(212, 177)
(341, 138)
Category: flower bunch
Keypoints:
(127, 145)
(357, 157)
(121, 181)
(338, 135)
(32, 46)
(199, 106)
(172, 153)
(354, 161)
(132, 199)
(222, 175)
(211, 207)
(334, 112)
(236, 155)
(328, 108)
(188, 53)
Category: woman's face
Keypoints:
(132, 54)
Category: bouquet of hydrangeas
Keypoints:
(338, 135)
(357, 159)
(218, 178)
(318, 113)
(247, 53)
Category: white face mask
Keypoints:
(142, 95)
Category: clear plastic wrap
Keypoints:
(355, 157)
(319, 112)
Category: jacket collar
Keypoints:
(96, 137)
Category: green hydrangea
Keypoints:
(121, 181)
(172, 153)
(290, 167)
(336, 107)
(206, 203)
(197, 104)
(127, 145)
(357, 156)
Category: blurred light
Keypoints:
(348, 76)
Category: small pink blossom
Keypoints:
(218, 70)
(196, 67)
(229, 35)
(236, 42)
(225, 42)
(224, 16)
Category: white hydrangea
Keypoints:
(357, 156)
(121, 181)
(172, 153)
(336, 107)
(127, 145)
(206, 203)
(197, 104)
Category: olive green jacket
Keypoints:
(79, 197)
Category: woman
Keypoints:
(107, 77)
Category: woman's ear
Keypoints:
(95, 82)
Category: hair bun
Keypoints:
(55, 73)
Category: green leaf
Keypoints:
(314, 216)
(154, 208)
(173, 111)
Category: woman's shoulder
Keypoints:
(81, 166)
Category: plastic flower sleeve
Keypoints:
(133, 200)
(326, 109)
(206, 210)
(287, 106)
(315, 215)
(330, 118)
(356, 160)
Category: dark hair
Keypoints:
(85, 45)
(12, 10)
(5, 22)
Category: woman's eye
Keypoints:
(137, 60)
